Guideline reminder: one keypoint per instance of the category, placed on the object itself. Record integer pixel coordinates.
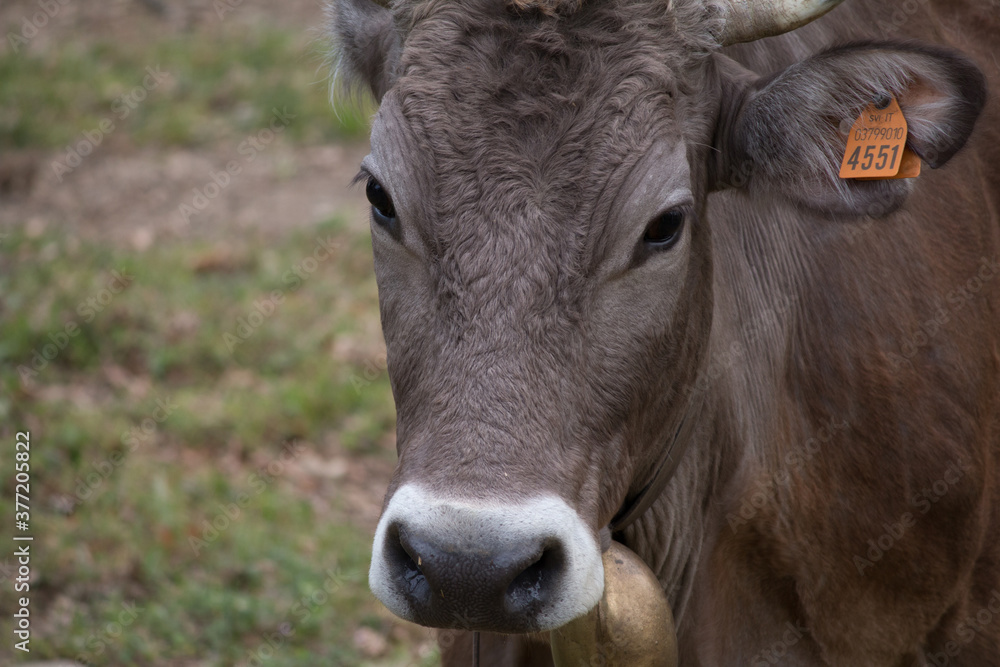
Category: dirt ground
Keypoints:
(123, 18)
(131, 197)
(134, 196)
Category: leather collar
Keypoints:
(636, 506)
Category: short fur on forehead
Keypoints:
(531, 99)
(547, 7)
(513, 109)
(370, 37)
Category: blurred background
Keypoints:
(189, 331)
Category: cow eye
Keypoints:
(382, 209)
(664, 230)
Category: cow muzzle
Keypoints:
(475, 565)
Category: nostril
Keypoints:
(405, 563)
(534, 585)
(481, 564)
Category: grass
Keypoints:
(176, 520)
(183, 401)
(209, 87)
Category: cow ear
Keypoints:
(787, 134)
(366, 44)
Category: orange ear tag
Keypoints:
(876, 145)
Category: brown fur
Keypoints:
(849, 358)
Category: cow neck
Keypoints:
(636, 506)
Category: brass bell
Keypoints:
(632, 625)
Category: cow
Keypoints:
(626, 295)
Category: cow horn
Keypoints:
(747, 20)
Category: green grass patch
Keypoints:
(181, 89)
(170, 397)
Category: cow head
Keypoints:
(538, 179)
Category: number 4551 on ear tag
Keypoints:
(876, 145)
